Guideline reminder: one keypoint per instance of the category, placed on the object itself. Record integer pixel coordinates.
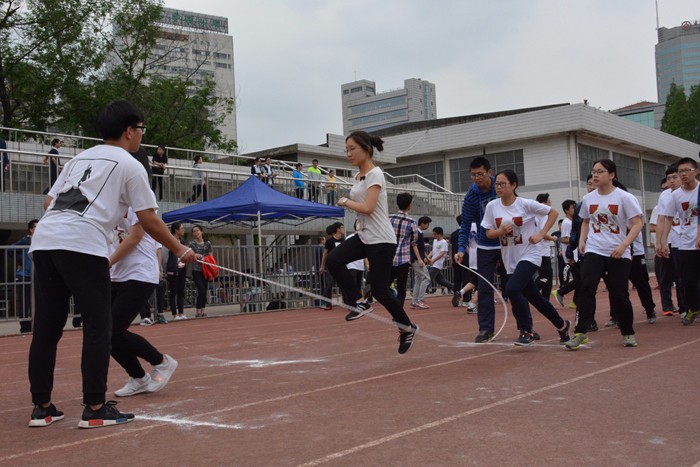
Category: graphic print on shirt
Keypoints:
(604, 219)
(690, 213)
(515, 237)
(83, 183)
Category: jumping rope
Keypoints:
(380, 318)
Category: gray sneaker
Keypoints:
(160, 374)
(134, 386)
(629, 341)
(577, 341)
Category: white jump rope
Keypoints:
(379, 317)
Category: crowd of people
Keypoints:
(104, 193)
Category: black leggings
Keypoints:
(176, 291)
(380, 257)
(202, 285)
(127, 347)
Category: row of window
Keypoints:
(378, 104)
(628, 169)
(379, 117)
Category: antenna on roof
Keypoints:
(657, 14)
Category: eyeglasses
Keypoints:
(685, 171)
(598, 172)
(141, 127)
(478, 174)
(501, 184)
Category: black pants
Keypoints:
(328, 284)
(313, 192)
(196, 191)
(127, 347)
(488, 263)
(690, 271)
(399, 274)
(202, 286)
(639, 277)
(618, 271)
(176, 291)
(683, 304)
(59, 274)
(380, 257)
(560, 269)
(157, 180)
(439, 279)
(522, 291)
(23, 295)
(299, 192)
(575, 269)
(545, 275)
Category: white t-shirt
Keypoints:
(90, 196)
(473, 233)
(141, 264)
(544, 245)
(664, 205)
(523, 214)
(439, 246)
(376, 227)
(358, 265)
(608, 216)
(565, 232)
(653, 219)
(683, 204)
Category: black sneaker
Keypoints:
(564, 335)
(45, 416)
(593, 326)
(406, 339)
(535, 335)
(526, 338)
(106, 415)
(484, 336)
(361, 309)
(456, 298)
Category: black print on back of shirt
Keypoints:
(83, 184)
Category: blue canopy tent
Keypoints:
(253, 204)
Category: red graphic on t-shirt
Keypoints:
(604, 219)
(515, 237)
(689, 212)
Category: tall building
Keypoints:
(646, 113)
(365, 109)
(677, 58)
(195, 46)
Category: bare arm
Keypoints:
(127, 246)
(634, 228)
(368, 206)
(583, 236)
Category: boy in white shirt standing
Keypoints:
(437, 257)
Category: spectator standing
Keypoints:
(176, 272)
(298, 177)
(437, 257)
(457, 276)
(52, 160)
(257, 170)
(406, 231)
(336, 232)
(159, 164)
(23, 278)
(199, 180)
(201, 247)
(315, 177)
(420, 264)
(269, 173)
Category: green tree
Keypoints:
(676, 120)
(694, 113)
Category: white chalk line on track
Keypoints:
(508, 400)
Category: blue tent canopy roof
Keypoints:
(245, 203)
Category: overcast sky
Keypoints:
(291, 56)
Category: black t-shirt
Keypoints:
(161, 159)
(332, 243)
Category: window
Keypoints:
(378, 104)
(653, 173)
(433, 171)
(628, 170)
(587, 155)
(378, 117)
(357, 89)
(461, 172)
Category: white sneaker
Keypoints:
(146, 322)
(134, 386)
(160, 374)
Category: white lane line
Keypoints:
(437, 423)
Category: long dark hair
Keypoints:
(512, 178)
(367, 141)
(175, 227)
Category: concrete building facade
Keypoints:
(365, 109)
(677, 58)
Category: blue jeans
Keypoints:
(522, 291)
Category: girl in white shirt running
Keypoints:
(612, 218)
(513, 220)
